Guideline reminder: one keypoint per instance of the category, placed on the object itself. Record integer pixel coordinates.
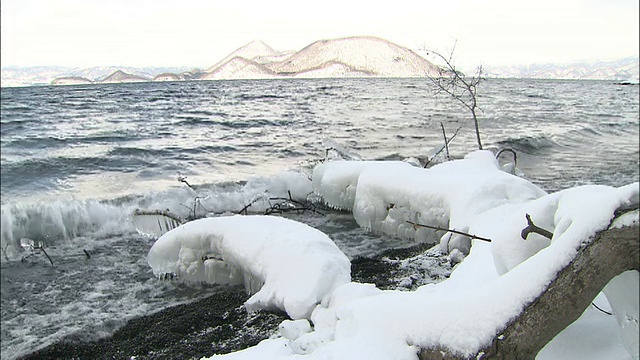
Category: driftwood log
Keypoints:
(610, 253)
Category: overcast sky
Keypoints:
(198, 33)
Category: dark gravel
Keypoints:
(217, 324)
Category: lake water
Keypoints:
(77, 160)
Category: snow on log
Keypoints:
(609, 254)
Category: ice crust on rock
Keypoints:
(285, 264)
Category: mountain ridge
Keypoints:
(355, 56)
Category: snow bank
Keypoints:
(286, 265)
(494, 283)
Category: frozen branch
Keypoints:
(449, 230)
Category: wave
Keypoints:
(51, 222)
(528, 144)
(62, 167)
(54, 221)
(578, 137)
(249, 97)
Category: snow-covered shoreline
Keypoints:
(490, 288)
(332, 314)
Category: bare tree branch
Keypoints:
(449, 230)
(532, 228)
(460, 87)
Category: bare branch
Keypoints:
(449, 230)
(532, 228)
(460, 87)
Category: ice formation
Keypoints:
(337, 181)
(385, 195)
(285, 264)
(493, 284)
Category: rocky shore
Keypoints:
(220, 324)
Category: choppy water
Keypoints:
(77, 160)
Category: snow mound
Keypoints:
(286, 265)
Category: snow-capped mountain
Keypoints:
(239, 68)
(71, 80)
(120, 76)
(255, 50)
(360, 54)
(60, 75)
(101, 72)
(30, 76)
(626, 69)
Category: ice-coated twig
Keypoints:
(449, 230)
(29, 244)
(183, 179)
(448, 141)
(515, 156)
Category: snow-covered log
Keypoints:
(610, 253)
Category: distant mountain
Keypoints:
(31, 76)
(331, 69)
(356, 55)
(120, 76)
(627, 69)
(71, 80)
(239, 68)
(60, 75)
(100, 72)
(168, 77)
(255, 50)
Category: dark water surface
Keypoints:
(77, 160)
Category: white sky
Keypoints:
(198, 33)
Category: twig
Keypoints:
(597, 307)
(246, 207)
(284, 205)
(166, 213)
(515, 156)
(4, 252)
(449, 142)
(449, 230)
(446, 143)
(183, 179)
(532, 228)
(51, 261)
